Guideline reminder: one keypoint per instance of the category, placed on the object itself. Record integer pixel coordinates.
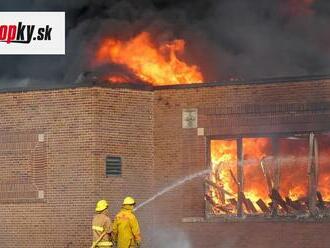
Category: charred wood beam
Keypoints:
(251, 206)
(320, 204)
(316, 162)
(233, 177)
(262, 205)
(233, 202)
(215, 205)
(218, 187)
(209, 166)
(277, 171)
(247, 203)
(217, 172)
(303, 202)
(266, 175)
(296, 205)
(270, 185)
(311, 174)
(210, 200)
(240, 177)
(241, 196)
(276, 197)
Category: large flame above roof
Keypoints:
(151, 63)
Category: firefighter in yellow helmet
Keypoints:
(126, 228)
(102, 226)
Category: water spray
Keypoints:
(174, 185)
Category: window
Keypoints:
(272, 176)
(222, 182)
(113, 166)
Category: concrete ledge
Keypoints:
(22, 201)
(223, 219)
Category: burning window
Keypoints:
(270, 176)
(222, 181)
(293, 156)
(258, 174)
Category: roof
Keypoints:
(147, 87)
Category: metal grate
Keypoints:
(113, 166)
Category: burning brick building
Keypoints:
(265, 145)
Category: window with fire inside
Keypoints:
(269, 177)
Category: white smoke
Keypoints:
(170, 237)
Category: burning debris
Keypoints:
(280, 177)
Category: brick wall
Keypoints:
(49, 187)
(122, 125)
(222, 111)
(54, 144)
(58, 162)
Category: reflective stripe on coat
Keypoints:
(100, 224)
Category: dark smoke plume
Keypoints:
(226, 38)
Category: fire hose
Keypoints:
(98, 240)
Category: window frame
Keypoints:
(312, 173)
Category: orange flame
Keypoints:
(223, 157)
(156, 65)
(117, 79)
(294, 178)
(292, 162)
(255, 185)
(324, 167)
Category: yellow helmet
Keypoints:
(101, 205)
(128, 201)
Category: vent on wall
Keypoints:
(113, 166)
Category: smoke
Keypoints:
(170, 237)
(226, 38)
(175, 237)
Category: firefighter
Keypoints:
(102, 226)
(126, 228)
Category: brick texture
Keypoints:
(53, 146)
(226, 111)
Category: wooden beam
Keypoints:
(270, 185)
(248, 203)
(208, 162)
(218, 187)
(233, 201)
(296, 205)
(276, 197)
(217, 206)
(277, 171)
(316, 163)
(241, 196)
(262, 205)
(320, 203)
(240, 176)
(311, 175)
(251, 206)
(276, 162)
(266, 174)
(233, 177)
